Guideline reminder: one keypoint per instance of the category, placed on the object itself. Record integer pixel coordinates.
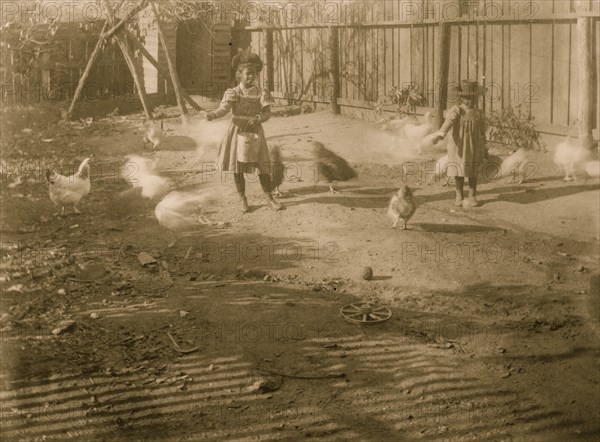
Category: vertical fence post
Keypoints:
(584, 51)
(334, 52)
(443, 70)
(270, 67)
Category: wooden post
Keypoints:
(443, 63)
(172, 70)
(130, 60)
(334, 52)
(160, 70)
(598, 79)
(584, 52)
(270, 67)
(87, 70)
(104, 35)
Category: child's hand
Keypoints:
(210, 116)
(437, 139)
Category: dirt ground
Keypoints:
(494, 332)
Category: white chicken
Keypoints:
(416, 133)
(396, 125)
(154, 135)
(179, 212)
(139, 172)
(518, 166)
(571, 156)
(402, 207)
(592, 168)
(68, 190)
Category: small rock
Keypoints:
(145, 259)
(211, 367)
(501, 350)
(94, 315)
(183, 313)
(17, 288)
(266, 385)
(62, 292)
(63, 327)
(194, 276)
(367, 273)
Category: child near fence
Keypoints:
(244, 148)
(466, 145)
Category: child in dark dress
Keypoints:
(250, 107)
(466, 145)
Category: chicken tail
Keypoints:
(84, 169)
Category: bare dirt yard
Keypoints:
(236, 333)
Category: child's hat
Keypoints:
(246, 58)
(469, 88)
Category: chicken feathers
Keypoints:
(330, 166)
(402, 207)
(277, 170)
(68, 191)
(571, 156)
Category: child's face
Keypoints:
(248, 76)
(469, 101)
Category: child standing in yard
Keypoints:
(466, 145)
(243, 148)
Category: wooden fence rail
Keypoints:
(526, 63)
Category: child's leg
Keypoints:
(265, 183)
(472, 200)
(459, 182)
(240, 185)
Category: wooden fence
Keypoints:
(54, 74)
(528, 61)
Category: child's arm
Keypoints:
(224, 107)
(486, 154)
(265, 111)
(451, 116)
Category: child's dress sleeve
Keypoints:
(265, 106)
(451, 116)
(229, 98)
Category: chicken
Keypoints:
(491, 171)
(402, 207)
(330, 166)
(592, 168)
(154, 135)
(518, 165)
(139, 172)
(395, 126)
(277, 170)
(68, 191)
(571, 156)
(179, 212)
(417, 132)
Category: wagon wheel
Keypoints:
(365, 313)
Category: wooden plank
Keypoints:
(573, 77)
(417, 55)
(404, 58)
(389, 55)
(453, 70)
(562, 6)
(541, 73)
(560, 98)
(506, 70)
(519, 65)
(443, 53)
(432, 66)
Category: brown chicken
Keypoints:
(402, 207)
